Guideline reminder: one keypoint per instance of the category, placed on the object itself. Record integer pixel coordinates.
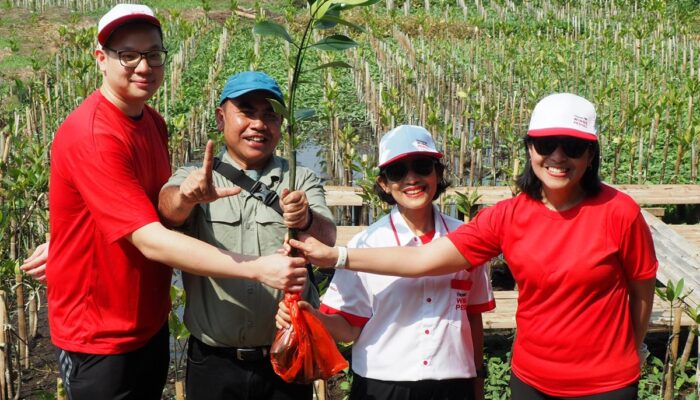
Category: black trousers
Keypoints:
(520, 390)
(448, 389)
(215, 373)
(138, 375)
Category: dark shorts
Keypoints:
(448, 389)
(522, 391)
(227, 373)
(139, 374)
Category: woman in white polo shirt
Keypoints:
(414, 338)
(581, 254)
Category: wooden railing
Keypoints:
(677, 246)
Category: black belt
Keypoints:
(251, 353)
(239, 353)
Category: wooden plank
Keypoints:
(678, 258)
(343, 196)
(656, 211)
(503, 317)
(662, 194)
(642, 194)
(345, 233)
(691, 233)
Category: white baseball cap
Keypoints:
(563, 114)
(120, 15)
(405, 140)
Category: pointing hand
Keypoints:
(199, 187)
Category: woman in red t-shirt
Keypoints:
(580, 252)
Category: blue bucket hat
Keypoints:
(248, 81)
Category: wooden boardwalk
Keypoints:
(642, 194)
(677, 246)
(678, 256)
(503, 317)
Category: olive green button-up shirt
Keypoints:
(238, 312)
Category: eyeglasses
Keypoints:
(572, 147)
(398, 170)
(132, 58)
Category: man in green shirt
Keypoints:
(231, 321)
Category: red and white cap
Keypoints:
(120, 15)
(405, 140)
(563, 114)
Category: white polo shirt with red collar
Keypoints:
(412, 328)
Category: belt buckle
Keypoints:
(251, 354)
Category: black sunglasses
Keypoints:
(398, 170)
(572, 147)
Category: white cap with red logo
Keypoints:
(563, 114)
(120, 15)
(405, 140)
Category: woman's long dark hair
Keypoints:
(531, 185)
(442, 185)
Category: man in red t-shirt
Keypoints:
(108, 282)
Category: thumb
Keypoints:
(283, 195)
(304, 305)
(227, 191)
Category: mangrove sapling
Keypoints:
(180, 335)
(323, 15)
(376, 207)
(466, 203)
(694, 314)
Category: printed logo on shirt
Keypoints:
(462, 300)
(462, 286)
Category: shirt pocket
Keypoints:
(266, 215)
(222, 224)
(270, 229)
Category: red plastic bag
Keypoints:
(306, 351)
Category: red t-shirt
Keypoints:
(575, 335)
(107, 169)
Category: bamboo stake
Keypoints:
(60, 390)
(320, 389)
(33, 315)
(7, 356)
(179, 390)
(21, 320)
(677, 315)
(688, 346)
(3, 346)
